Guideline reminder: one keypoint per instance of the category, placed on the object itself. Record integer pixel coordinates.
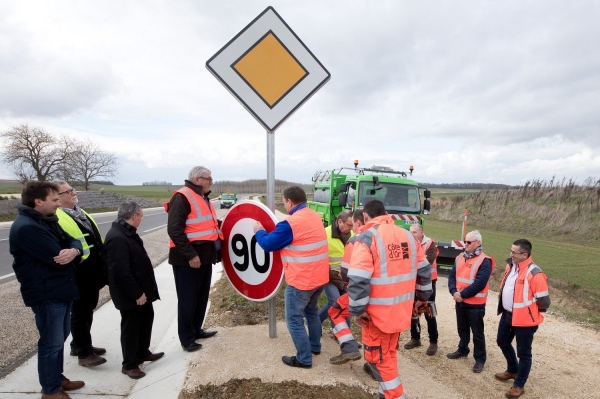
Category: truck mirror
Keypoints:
(343, 187)
(343, 199)
(427, 193)
(427, 205)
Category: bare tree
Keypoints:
(86, 161)
(33, 153)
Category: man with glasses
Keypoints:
(338, 235)
(90, 274)
(468, 283)
(523, 297)
(194, 247)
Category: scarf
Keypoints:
(80, 217)
(472, 255)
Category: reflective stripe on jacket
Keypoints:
(336, 249)
(70, 226)
(466, 272)
(434, 274)
(306, 259)
(387, 268)
(201, 223)
(531, 286)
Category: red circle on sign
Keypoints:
(268, 288)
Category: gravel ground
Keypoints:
(18, 334)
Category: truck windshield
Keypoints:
(227, 196)
(398, 198)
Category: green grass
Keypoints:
(10, 187)
(153, 193)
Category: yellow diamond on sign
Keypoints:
(270, 69)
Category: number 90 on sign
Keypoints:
(249, 260)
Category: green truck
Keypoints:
(350, 188)
(228, 200)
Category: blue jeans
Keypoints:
(506, 334)
(332, 293)
(300, 304)
(53, 322)
(467, 320)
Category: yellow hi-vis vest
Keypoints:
(70, 226)
(335, 248)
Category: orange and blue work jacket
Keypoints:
(201, 223)
(531, 294)
(471, 277)
(387, 269)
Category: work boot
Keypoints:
(95, 351)
(515, 392)
(69, 385)
(432, 350)
(345, 358)
(413, 343)
(367, 368)
(505, 376)
(92, 361)
(457, 355)
(58, 395)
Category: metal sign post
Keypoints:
(271, 206)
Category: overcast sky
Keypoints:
(466, 91)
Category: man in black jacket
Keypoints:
(44, 259)
(132, 288)
(194, 247)
(90, 274)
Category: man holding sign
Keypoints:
(304, 252)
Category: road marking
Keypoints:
(7, 276)
(145, 231)
(3, 239)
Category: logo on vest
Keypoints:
(396, 251)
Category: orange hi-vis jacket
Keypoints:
(387, 269)
(306, 259)
(201, 223)
(348, 252)
(466, 271)
(434, 274)
(531, 294)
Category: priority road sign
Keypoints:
(268, 69)
(253, 273)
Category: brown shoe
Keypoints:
(95, 351)
(432, 350)
(136, 374)
(69, 385)
(505, 376)
(92, 361)
(413, 343)
(151, 357)
(515, 392)
(58, 395)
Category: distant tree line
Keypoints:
(474, 186)
(32, 153)
(257, 186)
(157, 183)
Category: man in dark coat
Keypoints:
(194, 247)
(44, 259)
(132, 288)
(90, 274)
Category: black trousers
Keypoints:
(193, 287)
(136, 331)
(82, 316)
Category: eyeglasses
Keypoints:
(69, 191)
(206, 178)
(469, 242)
(516, 253)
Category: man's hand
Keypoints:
(456, 296)
(141, 300)
(258, 226)
(195, 262)
(66, 255)
(361, 319)
(418, 304)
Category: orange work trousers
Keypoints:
(380, 352)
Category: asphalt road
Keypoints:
(154, 218)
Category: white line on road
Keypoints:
(145, 231)
(7, 276)
(3, 239)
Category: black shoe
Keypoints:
(206, 334)
(152, 357)
(367, 369)
(315, 353)
(456, 355)
(95, 351)
(191, 347)
(293, 362)
(478, 367)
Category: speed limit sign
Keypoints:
(254, 273)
